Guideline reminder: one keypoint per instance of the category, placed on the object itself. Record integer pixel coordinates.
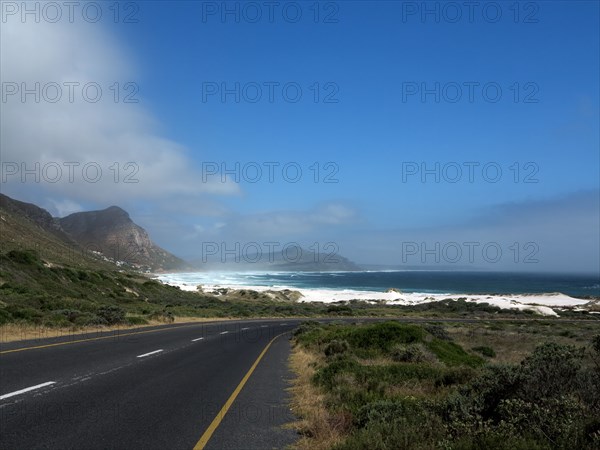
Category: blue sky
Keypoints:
(369, 137)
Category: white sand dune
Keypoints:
(540, 303)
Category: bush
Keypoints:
(136, 320)
(485, 351)
(551, 370)
(86, 319)
(336, 347)
(454, 376)
(326, 376)
(24, 313)
(541, 400)
(163, 316)
(399, 424)
(408, 353)
(382, 336)
(438, 331)
(69, 314)
(453, 354)
(343, 310)
(387, 411)
(596, 343)
(306, 327)
(596, 352)
(111, 314)
(29, 257)
(5, 316)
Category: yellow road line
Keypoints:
(56, 344)
(221, 414)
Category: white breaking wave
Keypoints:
(540, 303)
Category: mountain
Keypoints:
(112, 233)
(35, 215)
(25, 226)
(293, 258)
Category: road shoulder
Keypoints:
(256, 419)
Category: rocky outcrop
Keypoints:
(112, 233)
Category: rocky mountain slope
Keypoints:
(96, 237)
(112, 233)
(25, 226)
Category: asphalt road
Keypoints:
(155, 387)
(161, 388)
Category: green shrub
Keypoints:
(388, 411)
(87, 318)
(336, 347)
(306, 327)
(111, 314)
(408, 353)
(453, 354)
(57, 320)
(325, 376)
(163, 316)
(5, 316)
(136, 320)
(455, 376)
(29, 257)
(15, 289)
(69, 314)
(438, 331)
(382, 336)
(342, 310)
(485, 351)
(399, 424)
(540, 401)
(551, 370)
(24, 313)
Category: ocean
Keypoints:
(417, 281)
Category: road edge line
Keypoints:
(221, 414)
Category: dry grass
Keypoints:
(319, 428)
(516, 341)
(12, 332)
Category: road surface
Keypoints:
(219, 385)
(162, 388)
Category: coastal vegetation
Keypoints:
(392, 385)
(35, 293)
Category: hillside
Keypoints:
(25, 226)
(99, 238)
(112, 233)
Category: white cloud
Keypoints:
(289, 225)
(47, 137)
(63, 208)
(555, 234)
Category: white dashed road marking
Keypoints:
(22, 391)
(151, 353)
